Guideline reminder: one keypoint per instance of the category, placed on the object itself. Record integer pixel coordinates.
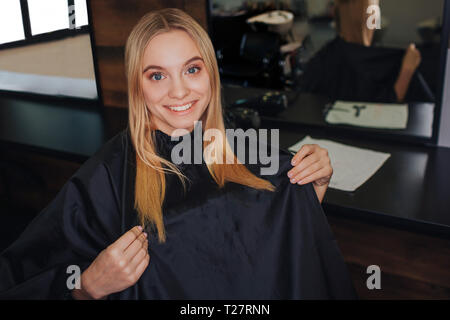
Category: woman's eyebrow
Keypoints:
(192, 60)
(152, 67)
(161, 68)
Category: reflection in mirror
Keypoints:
(394, 66)
(372, 64)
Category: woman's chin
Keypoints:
(185, 125)
(185, 122)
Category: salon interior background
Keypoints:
(113, 19)
(72, 57)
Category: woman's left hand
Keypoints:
(312, 164)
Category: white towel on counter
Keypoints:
(370, 115)
(352, 166)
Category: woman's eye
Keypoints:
(193, 70)
(156, 76)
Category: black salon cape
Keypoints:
(230, 243)
(347, 71)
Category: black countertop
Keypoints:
(59, 127)
(411, 190)
(309, 110)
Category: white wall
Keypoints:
(444, 126)
(403, 17)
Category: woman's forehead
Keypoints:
(170, 49)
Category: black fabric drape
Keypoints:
(346, 71)
(230, 243)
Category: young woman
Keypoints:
(207, 229)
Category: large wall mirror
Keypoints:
(373, 66)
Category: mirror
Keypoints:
(365, 65)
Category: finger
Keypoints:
(307, 171)
(127, 238)
(134, 247)
(137, 259)
(143, 265)
(303, 152)
(323, 173)
(306, 162)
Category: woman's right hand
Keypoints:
(411, 59)
(117, 267)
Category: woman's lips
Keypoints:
(182, 109)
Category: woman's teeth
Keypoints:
(182, 108)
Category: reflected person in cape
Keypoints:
(141, 227)
(350, 68)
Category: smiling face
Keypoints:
(175, 81)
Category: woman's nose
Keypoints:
(178, 89)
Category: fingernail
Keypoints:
(145, 234)
(293, 162)
(292, 180)
(300, 182)
(140, 228)
(290, 175)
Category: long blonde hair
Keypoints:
(150, 174)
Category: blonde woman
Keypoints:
(137, 226)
